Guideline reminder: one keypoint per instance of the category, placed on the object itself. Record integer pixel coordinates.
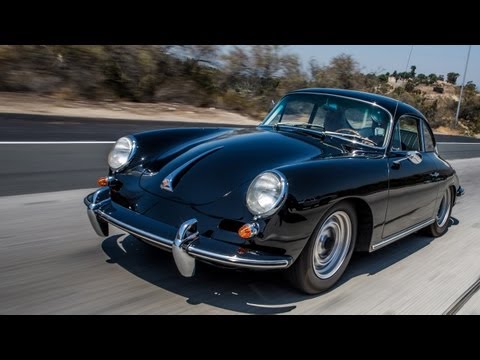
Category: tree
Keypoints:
(422, 78)
(452, 77)
(470, 88)
(432, 78)
(342, 72)
(383, 78)
(412, 71)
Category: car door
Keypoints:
(412, 182)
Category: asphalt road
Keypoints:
(51, 262)
(25, 127)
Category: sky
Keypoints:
(438, 59)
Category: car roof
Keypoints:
(384, 101)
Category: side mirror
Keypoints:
(413, 156)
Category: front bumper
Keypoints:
(186, 243)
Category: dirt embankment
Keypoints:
(45, 105)
(21, 103)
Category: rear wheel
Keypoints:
(440, 225)
(328, 251)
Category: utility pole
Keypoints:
(408, 61)
(463, 85)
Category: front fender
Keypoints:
(317, 185)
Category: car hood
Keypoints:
(214, 168)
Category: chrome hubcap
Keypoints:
(444, 209)
(332, 244)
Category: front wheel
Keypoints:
(440, 225)
(328, 251)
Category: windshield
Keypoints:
(345, 117)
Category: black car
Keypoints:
(328, 172)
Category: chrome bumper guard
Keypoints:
(460, 191)
(187, 244)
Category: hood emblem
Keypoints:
(167, 183)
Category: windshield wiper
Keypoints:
(353, 136)
(297, 124)
(323, 132)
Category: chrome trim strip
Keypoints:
(135, 231)
(150, 242)
(238, 262)
(401, 234)
(94, 204)
(167, 182)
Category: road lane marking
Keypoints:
(53, 142)
(463, 299)
(458, 143)
(113, 142)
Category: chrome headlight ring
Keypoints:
(122, 153)
(267, 193)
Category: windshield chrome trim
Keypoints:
(387, 136)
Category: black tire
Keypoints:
(441, 223)
(302, 274)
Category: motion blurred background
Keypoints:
(242, 79)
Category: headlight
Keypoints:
(121, 153)
(266, 193)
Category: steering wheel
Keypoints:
(349, 130)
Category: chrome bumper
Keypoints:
(185, 243)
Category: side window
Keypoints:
(297, 111)
(406, 135)
(428, 138)
(319, 118)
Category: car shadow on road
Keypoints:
(242, 291)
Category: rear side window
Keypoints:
(405, 135)
(428, 138)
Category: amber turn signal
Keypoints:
(248, 230)
(103, 181)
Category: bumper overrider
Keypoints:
(186, 243)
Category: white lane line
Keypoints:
(113, 142)
(53, 142)
(457, 143)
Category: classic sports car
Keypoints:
(327, 172)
